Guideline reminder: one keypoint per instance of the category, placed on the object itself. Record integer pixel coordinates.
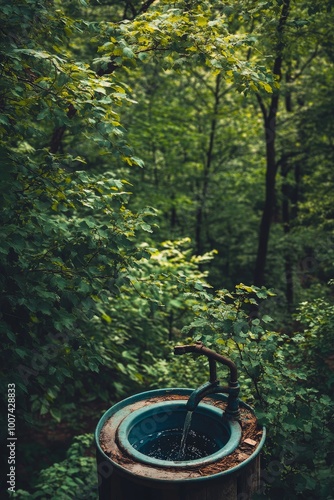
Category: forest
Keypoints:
(166, 177)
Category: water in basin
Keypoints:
(165, 445)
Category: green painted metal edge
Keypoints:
(205, 409)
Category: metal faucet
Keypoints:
(213, 387)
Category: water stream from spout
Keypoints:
(185, 433)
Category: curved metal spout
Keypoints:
(198, 394)
(213, 387)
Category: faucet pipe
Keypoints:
(213, 387)
(213, 356)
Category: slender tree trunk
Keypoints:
(207, 168)
(269, 203)
(290, 195)
(269, 120)
(286, 198)
(198, 230)
(288, 264)
(58, 133)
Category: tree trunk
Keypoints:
(288, 265)
(269, 119)
(268, 209)
(207, 168)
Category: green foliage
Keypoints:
(174, 372)
(182, 36)
(68, 240)
(289, 381)
(74, 477)
(148, 314)
(68, 237)
(317, 319)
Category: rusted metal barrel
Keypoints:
(124, 475)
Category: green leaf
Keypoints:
(128, 52)
(44, 409)
(56, 414)
(266, 319)
(11, 336)
(146, 227)
(22, 353)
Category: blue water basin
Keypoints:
(153, 434)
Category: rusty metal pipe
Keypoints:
(199, 348)
(212, 387)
